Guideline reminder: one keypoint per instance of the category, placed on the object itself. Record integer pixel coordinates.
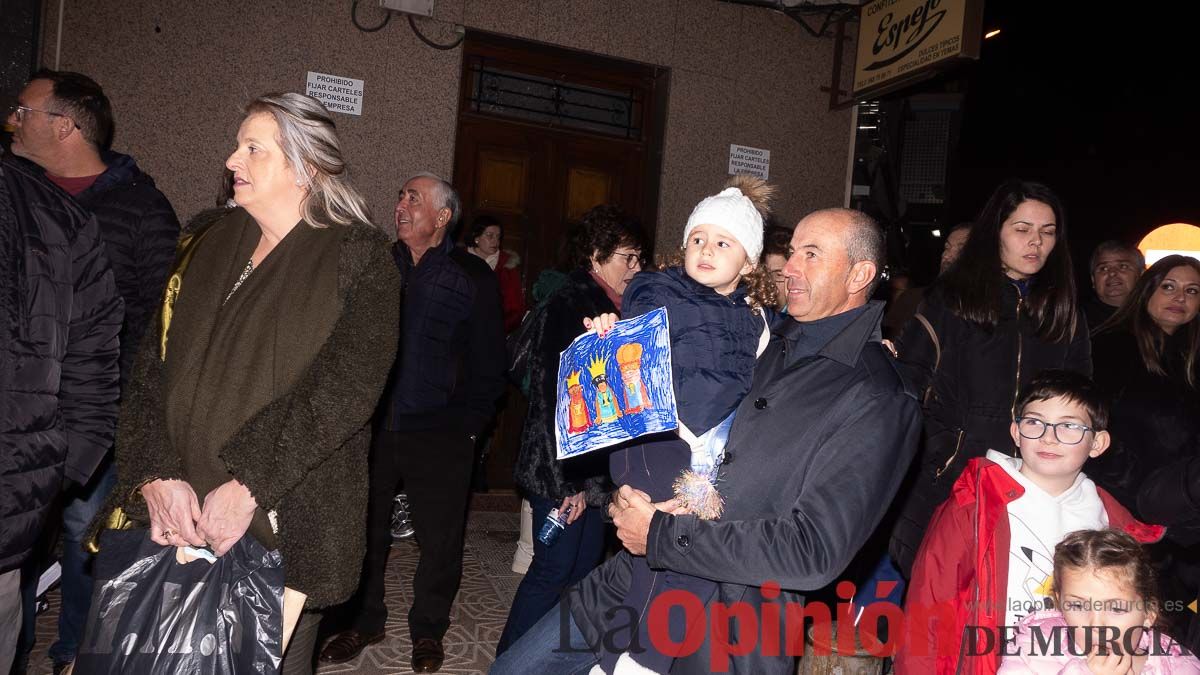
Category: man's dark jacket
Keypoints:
(450, 369)
(814, 458)
(60, 315)
(140, 232)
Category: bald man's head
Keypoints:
(834, 265)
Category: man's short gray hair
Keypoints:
(1114, 246)
(864, 240)
(446, 197)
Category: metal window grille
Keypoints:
(923, 163)
(496, 90)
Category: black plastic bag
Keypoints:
(151, 614)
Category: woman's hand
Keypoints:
(577, 504)
(601, 324)
(228, 510)
(174, 511)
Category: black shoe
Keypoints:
(427, 656)
(62, 667)
(347, 645)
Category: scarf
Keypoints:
(228, 360)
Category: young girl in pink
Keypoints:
(1105, 621)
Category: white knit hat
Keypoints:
(732, 210)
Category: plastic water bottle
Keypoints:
(553, 526)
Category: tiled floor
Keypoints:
(488, 587)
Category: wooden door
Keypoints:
(537, 182)
(537, 178)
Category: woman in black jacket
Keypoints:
(1146, 358)
(604, 252)
(1004, 311)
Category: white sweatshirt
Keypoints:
(1038, 521)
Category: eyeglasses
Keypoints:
(632, 260)
(1067, 433)
(20, 110)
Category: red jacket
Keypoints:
(960, 576)
(512, 296)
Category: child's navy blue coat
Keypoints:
(714, 342)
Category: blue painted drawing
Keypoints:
(615, 388)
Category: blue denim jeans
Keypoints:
(80, 506)
(554, 568)
(554, 644)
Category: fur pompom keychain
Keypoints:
(697, 492)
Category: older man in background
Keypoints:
(1115, 268)
(448, 376)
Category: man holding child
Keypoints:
(806, 476)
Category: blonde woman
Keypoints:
(247, 413)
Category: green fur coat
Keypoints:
(303, 455)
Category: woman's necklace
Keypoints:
(241, 279)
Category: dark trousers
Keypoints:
(645, 585)
(299, 657)
(81, 503)
(554, 568)
(435, 467)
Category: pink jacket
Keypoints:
(1030, 660)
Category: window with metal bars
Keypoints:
(496, 89)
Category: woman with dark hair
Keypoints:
(1146, 358)
(484, 240)
(1003, 312)
(604, 251)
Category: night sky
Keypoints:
(1099, 104)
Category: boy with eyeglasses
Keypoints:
(987, 557)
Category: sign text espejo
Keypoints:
(901, 40)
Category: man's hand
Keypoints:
(174, 511)
(632, 511)
(228, 510)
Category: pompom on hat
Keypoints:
(739, 209)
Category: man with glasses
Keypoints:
(1115, 268)
(59, 318)
(63, 126)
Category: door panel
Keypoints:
(586, 187)
(501, 180)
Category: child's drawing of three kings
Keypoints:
(592, 413)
